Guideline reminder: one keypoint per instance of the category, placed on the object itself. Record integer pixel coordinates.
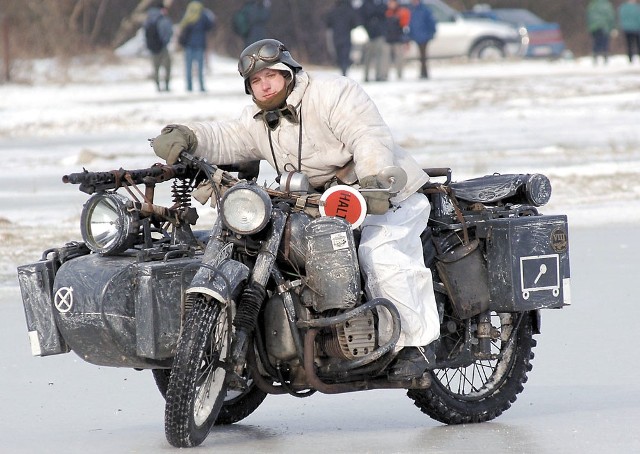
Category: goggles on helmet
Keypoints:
(269, 52)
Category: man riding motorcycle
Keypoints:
(318, 124)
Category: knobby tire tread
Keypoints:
(441, 405)
(180, 428)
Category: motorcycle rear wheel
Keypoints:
(236, 406)
(197, 387)
(483, 390)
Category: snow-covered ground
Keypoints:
(574, 122)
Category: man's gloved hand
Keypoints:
(172, 140)
(377, 201)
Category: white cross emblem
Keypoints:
(63, 299)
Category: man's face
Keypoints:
(266, 83)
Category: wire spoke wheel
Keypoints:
(481, 390)
(237, 404)
(197, 385)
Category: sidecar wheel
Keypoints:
(236, 406)
(197, 386)
(484, 389)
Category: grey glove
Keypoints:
(172, 140)
(377, 201)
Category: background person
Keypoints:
(601, 20)
(629, 20)
(397, 22)
(422, 29)
(258, 14)
(195, 24)
(340, 21)
(372, 14)
(158, 30)
(342, 125)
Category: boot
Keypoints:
(412, 362)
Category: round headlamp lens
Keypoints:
(246, 209)
(107, 226)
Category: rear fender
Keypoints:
(536, 321)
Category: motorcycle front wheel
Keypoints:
(197, 386)
(237, 404)
(484, 389)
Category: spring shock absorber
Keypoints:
(181, 193)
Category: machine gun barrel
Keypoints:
(91, 182)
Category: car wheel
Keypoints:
(487, 49)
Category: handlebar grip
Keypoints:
(438, 171)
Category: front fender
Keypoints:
(220, 280)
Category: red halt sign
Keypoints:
(344, 202)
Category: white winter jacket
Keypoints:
(339, 123)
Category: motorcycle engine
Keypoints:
(350, 340)
(293, 248)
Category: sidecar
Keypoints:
(121, 311)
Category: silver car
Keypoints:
(459, 36)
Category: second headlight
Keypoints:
(246, 208)
(107, 226)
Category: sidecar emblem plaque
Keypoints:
(344, 202)
(538, 273)
(559, 240)
(63, 299)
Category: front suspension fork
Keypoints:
(253, 296)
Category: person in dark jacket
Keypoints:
(197, 22)
(340, 21)
(158, 32)
(601, 21)
(258, 15)
(372, 13)
(629, 17)
(422, 29)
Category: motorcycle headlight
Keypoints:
(107, 226)
(538, 189)
(246, 209)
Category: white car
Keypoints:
(458, 36)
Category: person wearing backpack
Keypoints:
(250, 21)
(158, 31)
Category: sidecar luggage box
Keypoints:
(122, 312)
(36, 284)
(111, 311)
(528, 262)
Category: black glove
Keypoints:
(172, 140)
(377, 201)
